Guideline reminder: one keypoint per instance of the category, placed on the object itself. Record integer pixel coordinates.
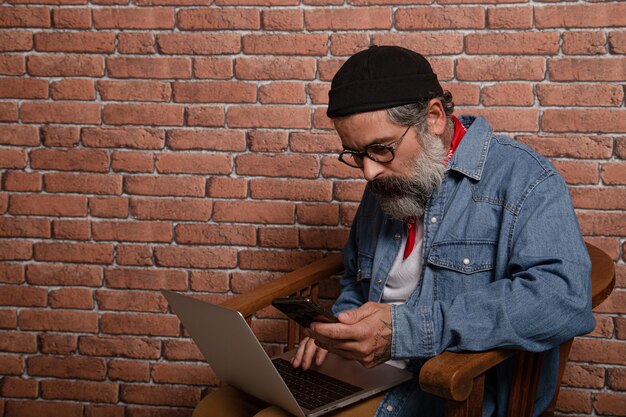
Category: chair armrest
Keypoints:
(260, 297)
(451, 375)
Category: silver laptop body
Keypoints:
(238, 359)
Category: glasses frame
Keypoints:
(390, 147)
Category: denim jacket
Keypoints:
(504, 266)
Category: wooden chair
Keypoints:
(457, 377)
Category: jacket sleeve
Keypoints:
(544, 300)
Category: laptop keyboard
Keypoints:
(313, 389)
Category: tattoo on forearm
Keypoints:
(385, 355)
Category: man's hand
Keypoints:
(308, 352)
(363, 334)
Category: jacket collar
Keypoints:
(469, 158)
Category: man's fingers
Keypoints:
(356, 315)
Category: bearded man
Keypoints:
(463, 241)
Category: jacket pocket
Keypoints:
(364, 266)
(466, 257)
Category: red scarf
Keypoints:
(459, 132)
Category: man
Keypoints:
(463, 240)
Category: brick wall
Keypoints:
(183, 144)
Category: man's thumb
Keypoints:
(354, 316)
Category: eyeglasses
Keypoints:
(376, 152)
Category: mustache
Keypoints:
(395, 186)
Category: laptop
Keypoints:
(238, 359)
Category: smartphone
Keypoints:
(304, 311)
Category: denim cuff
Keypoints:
(413, 332)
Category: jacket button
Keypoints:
(379, 281)
(389, 408)
(466, 261)
(433, 220)
(397, 236)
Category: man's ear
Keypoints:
(436, 117)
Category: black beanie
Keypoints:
(381, 77)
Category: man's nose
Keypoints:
(372, 169)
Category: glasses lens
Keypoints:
(352, 159)
(379, 153)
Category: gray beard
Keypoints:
(401, 197)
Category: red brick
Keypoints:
(283, 68)
(614, 173)
(147, 279)
(66, 65)
(22, 181)
(285, 44)
(18, 341)
(120, 346)
(304, 190)
(615, 304)
(92, 410)
(318, 214)
(98, 253)
(210, 116)
(135, 90)
(508, 94)
(125, 370)
(213, 67)
(20, 16)
(370, 18)
(8, 319)
(226, 187)
(609, 245)
(315, 142)
(243, 282)
(501, 68)
(13, 158)
(133, 18)
(63, 274)
(196, 257)
(16, 40)
(581, 147)
(580, 15)
(12, 64)
(160, 395)
(584, 43)
(171, 186)
(8, 112)
(23, 88)
(96, 42)
(620, 148)
(188, 374)
(440, 18)
(127, 137)
(11, 365)
(60, 112)
(206, 139)
(503, 17)
(24, 227)
(186, 163)
(348, 43)
(348, 190)
(70, 160)
(599, 198)
(60, 135)
(136, 323)
(11, 273)
(211, 234)
(269, 117)
(254, 212)
(58, 343)
(580, 95)
(616, 379)
(219, 19)
(19, 388)
(131, 301)
(280, 165)
(574, 401)
(149, 67)
(48, 205)
(617, 42)
(83, 183)
(43, 409)
(19, 135)
(133, 255)
(256, 2)
(598, 351)
(15, 250)
(212, 281)
(332, 167)
(275, 260)
(604, 326)
(74, 18)
(79, 298)
(506, 119)
(578, 172)
(136, 43)
(429, 43)
(132, 231)
(282, 92)
(143, 114)
(59, 320)
(588, 120)
(268, 141)
(587, 69)
(23, 296)
(79, 390)
(283, 19)
(181, 350)
(71, 89)
(132, 161)
(601, 223)
(199, 44)
(278, 237)
(171, 209)
(610, 403)
(108, 206)
(522, 43)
